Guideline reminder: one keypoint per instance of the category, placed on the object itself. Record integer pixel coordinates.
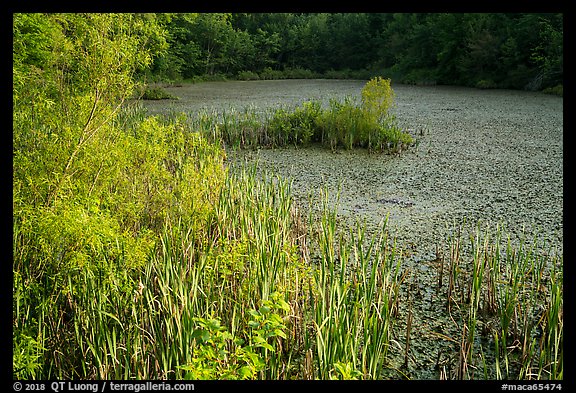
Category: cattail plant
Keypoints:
(357, 284)
(519, 310)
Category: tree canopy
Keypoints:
(508, 50)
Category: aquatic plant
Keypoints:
(514, 294)
(354, 312)
(342, 124)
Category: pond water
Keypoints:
(490, 156)
(262, 95)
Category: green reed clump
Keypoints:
(240, 275)
(355, 305)
(296, 127)
(242, 129)
(341, 124)
(510, 308)
(346, 123)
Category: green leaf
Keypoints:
(264, 309)
(284, 305)
(246, 372)
(201, 335)
(213, 324)
(113, 317)
(260, 342)
(187, 367)
(275, 319)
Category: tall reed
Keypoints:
(515, 294)
(343, 123)
(357, 283)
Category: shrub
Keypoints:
(556, 90)
(377, 98)
(270, 74)
(157, 93)
(340, 74)
(420, 77)
(248, 76)
(299, 73)
(486, 84)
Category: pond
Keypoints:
(493, 157)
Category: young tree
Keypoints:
(71, 74)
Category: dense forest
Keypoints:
(137, 254)
(486, 50)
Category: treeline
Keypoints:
(487, 50)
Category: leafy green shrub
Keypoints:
(420, 77)
(270, 74)
(216, 77)
(248, 76)
(364, 74)
(65, 251)
(218, 354)
(214, 360)
(486, 84)
(345, 371)
(157, 93)
(94, 184)
(377, 98)
(556, 90)
(28, 353)
(337, 74)
(299, 73)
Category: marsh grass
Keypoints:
(347, 123)
(227, 290)
(509, 306)
(355, 308)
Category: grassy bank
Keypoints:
(210, 281)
